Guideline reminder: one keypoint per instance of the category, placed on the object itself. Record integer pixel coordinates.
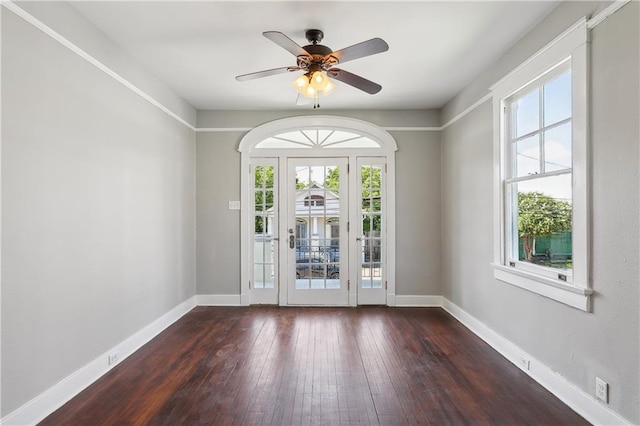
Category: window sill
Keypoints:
(576, 297)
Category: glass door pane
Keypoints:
(317, 237)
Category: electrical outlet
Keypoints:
(524, 363)
(113, 358)
(602, 390)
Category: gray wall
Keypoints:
(218, 228)
(62, 17)
(566, 14)
(417, 199)
(578, 345)
(418, 243)
(98, 212)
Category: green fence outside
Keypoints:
(555, 246)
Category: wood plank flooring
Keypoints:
(315, 366)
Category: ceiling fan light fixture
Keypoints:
(329, 88)
(319, 80)
(301, 82)
(310, 92)
(313, 84)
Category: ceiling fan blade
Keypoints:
(354, 80)
(366, 48)
(285, 42)
(266, 73)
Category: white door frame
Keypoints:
(373, 142)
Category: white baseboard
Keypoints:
(218, 300)
(53, 398)
(579, 401)
(417, 301)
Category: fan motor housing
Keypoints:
(314, 37)
(318, 49)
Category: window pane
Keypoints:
(372, 223)
(261, 224)
(376, 180)
(528, 113)
(303, 177)
(258, 276)
(268, 200)
(557, 99)
(557, 148)
(528, 156)
(273, 142)
(331, 179)
(269, 275)
(269, 173)
(361, 142)
(298, 137)
(365, 171)
(543, 211)
(259, 176)
(259, 200)
(341, 139)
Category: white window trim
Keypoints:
(573, 44)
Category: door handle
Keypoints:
(292, 241)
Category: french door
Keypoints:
(318, 231)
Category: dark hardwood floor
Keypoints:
(301, 366)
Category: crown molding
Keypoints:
(18, 11)
(13, 7)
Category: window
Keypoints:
(314, 201)
(541, 181)
(318, 138)
(538, 199)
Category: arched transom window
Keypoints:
(310, 138)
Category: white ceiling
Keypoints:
(197, 48)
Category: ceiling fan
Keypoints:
(319, 62)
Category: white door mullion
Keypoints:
(283, 231)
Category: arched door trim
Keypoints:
(371, 141)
